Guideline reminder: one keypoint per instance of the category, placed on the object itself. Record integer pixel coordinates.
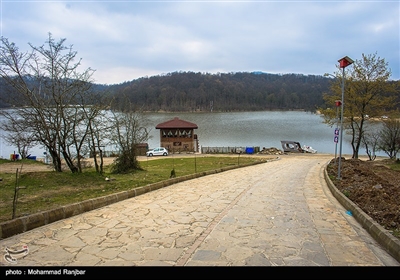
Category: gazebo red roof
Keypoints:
(176, 123)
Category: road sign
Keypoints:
(336, 138)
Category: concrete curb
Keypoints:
(390, 243)
(23, 224)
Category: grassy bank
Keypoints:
(45, 190)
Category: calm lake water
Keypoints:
(243, 129)
(258, 129)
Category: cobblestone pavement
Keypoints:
(278, 213)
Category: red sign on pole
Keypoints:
(345, 61)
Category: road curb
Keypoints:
(390, 243)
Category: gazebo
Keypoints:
(178, 135)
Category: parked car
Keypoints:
(160, 151)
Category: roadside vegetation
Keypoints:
(395, 165)
(45, 190)
(368, 95)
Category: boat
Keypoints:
(295, 147)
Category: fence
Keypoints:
(204, 150)
(229, 150)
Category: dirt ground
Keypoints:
(372, 186)
(13, 166)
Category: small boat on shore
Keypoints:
(295, 147)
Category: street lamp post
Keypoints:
(338, 103)
(343, 63)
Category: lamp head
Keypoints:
(345, 61)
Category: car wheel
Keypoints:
(165, 154)
(150, 155)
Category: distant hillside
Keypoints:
(189, 91)
(256, 91)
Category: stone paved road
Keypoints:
(279, 213)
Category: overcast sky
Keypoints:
(126, 40)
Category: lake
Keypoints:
(259, 129)
(243, 129)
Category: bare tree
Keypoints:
(370, 142)
(100, 128)
(129, 131)
(49, 96)
(19, 136)
(389, 141)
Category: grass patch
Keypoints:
(395, 165)
(49, 189)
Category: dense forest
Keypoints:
(256, 91)
(239, 91)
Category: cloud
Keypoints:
(125, 40)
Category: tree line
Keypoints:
(222, 92)
(239, 91)
(190, 91)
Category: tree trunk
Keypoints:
(56, 161)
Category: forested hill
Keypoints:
(256, 91)
(190, 91)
